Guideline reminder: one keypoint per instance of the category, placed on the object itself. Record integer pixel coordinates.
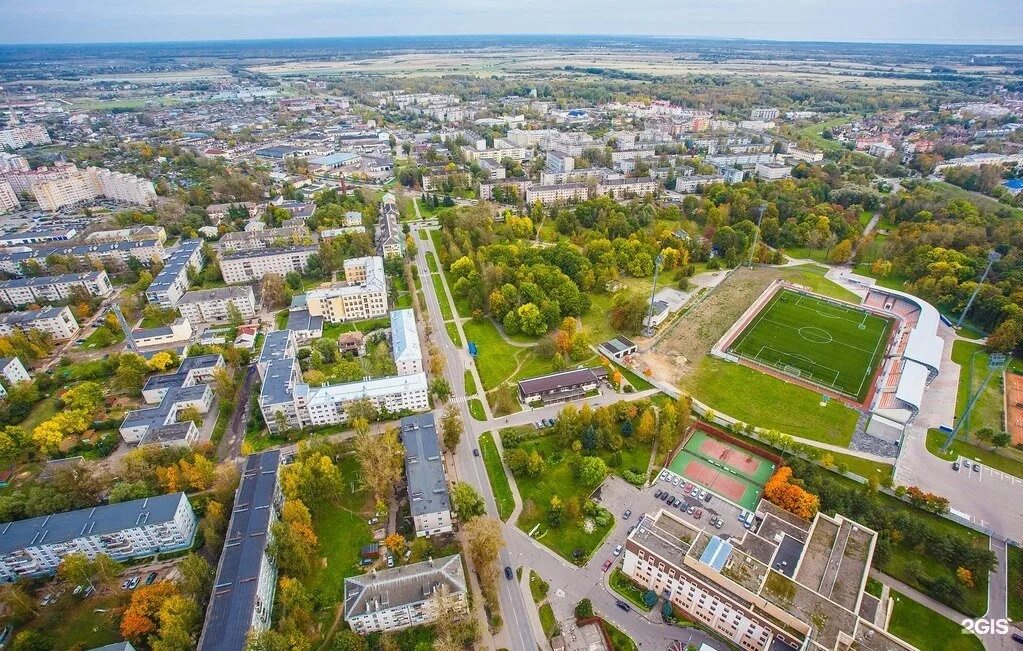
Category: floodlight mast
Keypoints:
(649, 329)
(996, 362)
(756, 234)
(992, 257)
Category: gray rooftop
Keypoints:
(262, 253)
(300, 319)
(233, 600)
(31, 315)
(158, 415)
(174, 266)
(216, 294)
(96, 521)
(403, 585)
(275, 345)
(82, 249)
(424, 467)
(42, 281)
(277, 388)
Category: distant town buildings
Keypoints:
(23, 135)
(72, 186)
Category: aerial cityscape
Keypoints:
(369, 327)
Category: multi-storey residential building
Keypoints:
(122, 187)
(58, 322)
(172, 282)
(18, 136)
(428, 496)
(521, 186)
(390, 239)
(400, 597)
(558, 162)
(145, 251)
(266, 238)
(8, 198)
(363, 295)
(287, 402)
(22, 291)
(170, 393)
(39, 236)
(70, 188)
(773, 171)
(785, 583)
(13, 163)
(12, 372)
(619, 189)
(125, 531)
(547, 194)
(213, 304)
(243, 591)
(247, 266)
(764, 113)
(128, 234)
(405, 346)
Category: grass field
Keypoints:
(498, 480)
(726, 387)
(469, 383)
(926, 629)
(936, 438)
(442, 297)
(627, 588)
(476, 409)
(832, 345)
(1015, 583)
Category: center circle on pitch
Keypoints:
(815, 335)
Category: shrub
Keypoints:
(584, 609)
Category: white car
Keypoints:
(664, 474)
(618, 550)
(674, 481)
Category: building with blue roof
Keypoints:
(125, 531)
(171, 393)
(1014, 186)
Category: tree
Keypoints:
(19, 602)
(32, 640)
(452, 427)
(592, 471)
(467, 503)
(645, 428)
(131, 373)
(965, 576)
(440, 388)
(789, 496)
(76, 568)
(86, 396)
(483, 544)
(396, 544)
(1001, 439)
(1006, 336)
(348, 640)
(179, 617)
(380, 461)
(841, 253)
(161, 361)
(627, 311)
(313, 478)
(224, 384)
(196, 577)
(234, 315)
(881, 268)
(556, 512)
(274, 291)
(584, 609)
(294, 546)
(140, 618)
(190, 413)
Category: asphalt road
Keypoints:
(231, 445)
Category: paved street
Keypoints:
(231, 444)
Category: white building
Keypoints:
(619, 189)
(19, 136)
(695, 182)
(122, 187)
(145, 251)
(405, 346)
(125, 531)
(765, 114)
(51, 289)
(266, 238)
(363, 295)
(178, 332)
(548, 194)
(69, 188)
(13, 372)
(72, 185)
(773, 171)
(172, 282)
(58, 322)
(8, 198)
(400, 597)
(558, 162)
(170, 393)
(247, 266)
(243, 591)
(208, 305)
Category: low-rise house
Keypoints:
(171, 393)
(169, 336)
(561, 387)
(405, 346)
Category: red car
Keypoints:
(688, 488)
(698, 514)
(607, 565)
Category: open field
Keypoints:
(926, 629)
(832, 345)
(1015, 583)
(495, 472)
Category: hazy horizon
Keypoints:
(944, 22)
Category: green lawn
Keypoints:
(936, 438)
(619, 640)
(806, 253)
(1015, 583)
(536, 496)
(335, 330)
(638, 382)
(422, 235)
(442, 297)
(550, 625)
(874, 587)
(628, 590)
(42, 410)
(103, 337)
(498, 361)
(453, 335)
(813, 133)
(470, 384)
(726, 388)
(431, 261)
(829, 344)
(863, 467)
(495, 472)
(538, 588)
(476, 409)
(926, 629)
(812, 275)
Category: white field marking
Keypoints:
(780, 364)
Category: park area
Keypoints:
(829, 344)
(736, 474)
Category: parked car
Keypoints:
(720, 523)
(134, 583)
(4, 634)
(390, 561)
(966, 463)
(955, 466)
(77, 590)
(151, 578)
(624, 606)
(671, 500)
(664, 496)
(374, 520)
(664, 474)
(1017, 637)
(706, 498)
(625, 516)
(688, 489)
(698, 514)
(475, 452)
(674, 481)
(618, 550)
(508, 573)
(690, 509)
(88, 591)
(606, 565)
(658, 493)
(976, 467)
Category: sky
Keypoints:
(937, 21)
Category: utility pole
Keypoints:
(649, 329)
(756, 234)
(992, 257)
(996, 362)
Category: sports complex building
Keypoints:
(877, 356)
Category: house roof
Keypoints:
(405, 336)
(564, 379)
(427, 488)
(403, 585)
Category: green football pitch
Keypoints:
(830, 344)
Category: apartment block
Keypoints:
(558, 162)
(390, 239)
(13, 163)
(52, 289)
(172, 282)
(764, 113)
(70, 188)
(773, 171)
(8, 198)
(363, 295)
(58, 322)
(405, 346)
(247, 266)
(122, 187)
(134, 233)
(404, 596)
(428, 496)
(619, 189)
(169, 394)
(548, 194)
(266, 238)
(125, 531)
(18, 136)
(213, 304)
(145, 251)
(13, 372)
(786, 583)
(243, 592)
(38, 236)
